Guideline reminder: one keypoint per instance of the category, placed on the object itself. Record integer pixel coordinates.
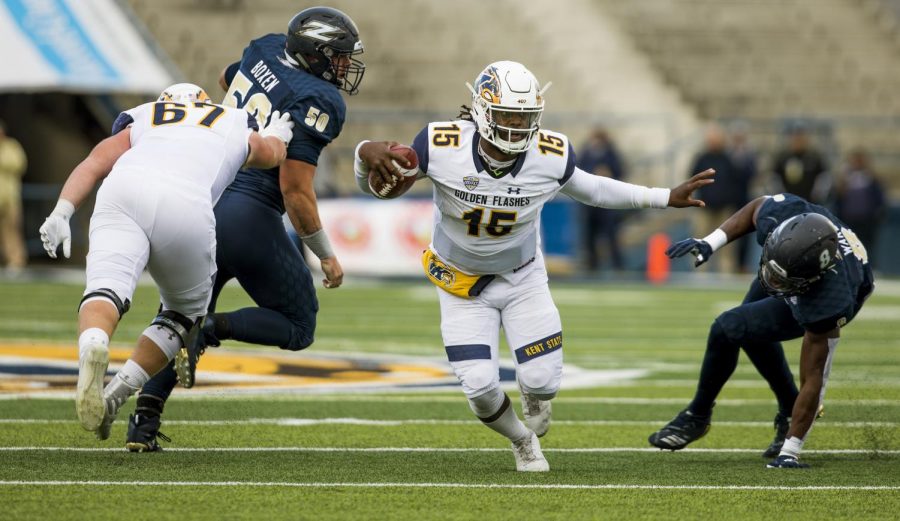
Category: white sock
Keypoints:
(506, 422)
(792, 447)
(90, 336)
(127, 381)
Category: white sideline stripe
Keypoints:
(627, 400)
(304, 422)
(561, 486)
(579, 450)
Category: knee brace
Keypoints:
(173, 331)
(109, 295)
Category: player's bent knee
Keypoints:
(107, 295)
(728, 327)
(301, 338)
(478, 379)
(171, 330)
(539, 380)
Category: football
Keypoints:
(402, 183)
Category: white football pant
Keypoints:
(471, 333)
(144, 219)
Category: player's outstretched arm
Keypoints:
(739, 224)
(682, 195)
(81, 182)
(296, 180)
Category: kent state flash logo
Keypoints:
(470, 182)
(489, 86)
(442, 273)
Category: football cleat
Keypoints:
(681, 431)
(89, 403)
(187, 357)
(529, 457)
(537, 413)
(786, 462)
(111, 409)
(782, 424)
(142, 434)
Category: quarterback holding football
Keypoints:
(493, 168)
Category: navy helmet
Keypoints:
(324, 41)
(797, 253)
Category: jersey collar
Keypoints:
(480, 166)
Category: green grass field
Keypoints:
(421, 455)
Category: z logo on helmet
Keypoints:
(489, 86)
(316, 30)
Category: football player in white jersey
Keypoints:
(493, 169)
(163, 168)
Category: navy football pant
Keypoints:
(254, 248)
(758, 325)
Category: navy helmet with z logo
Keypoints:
(323, 41)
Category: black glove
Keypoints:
(699, 249)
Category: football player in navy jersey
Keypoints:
(813, 278)
(301, 73)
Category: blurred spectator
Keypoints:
(600, 157)
(726, 195)
(12, 168)
(800, 167)
(746, 163)
(861, 200)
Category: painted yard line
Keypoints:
(426, 398)
(578, 450)
(560, 486)
(304, 422)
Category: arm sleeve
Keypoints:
(601, 191)
(122, 122)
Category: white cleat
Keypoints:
(537, 413)
(529, 457)
(110, 410)
(89, 402)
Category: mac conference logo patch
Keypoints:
(471, 182)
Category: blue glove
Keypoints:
(699, 249)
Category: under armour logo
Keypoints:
(512, 190)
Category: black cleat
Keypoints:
(786, 462)
(782, 424)
(678, 433)
(142, 434)
(187, 357)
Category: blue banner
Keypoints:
(60, 38)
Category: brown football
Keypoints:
(402, 183)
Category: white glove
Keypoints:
(55, 229)
(280, 126)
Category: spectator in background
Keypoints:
(600, 157)
(726, 195)
(801, 168)
(746, 163)
(861, 199)
(12, 168)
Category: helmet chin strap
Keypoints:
(495, 165)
